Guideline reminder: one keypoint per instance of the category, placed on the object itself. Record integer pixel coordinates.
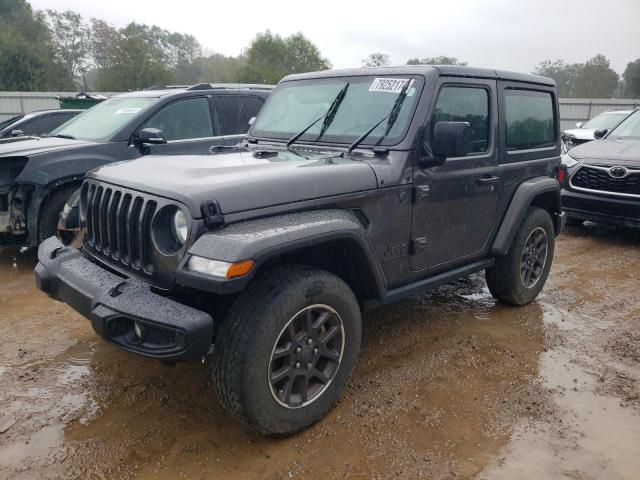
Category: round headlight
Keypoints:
(180, 227)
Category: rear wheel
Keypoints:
(518, 277)
(50, 213)
(285, 351)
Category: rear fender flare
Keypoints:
(525, 196)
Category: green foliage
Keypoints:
(631, 79)
(215, 68)
(27, 55)
(71, 37)
(377, 59)
(439, 60)
(592, 79)
(271, 57)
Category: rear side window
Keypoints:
(184, 120)
(529, 119)
(235, 111)
(465, 104)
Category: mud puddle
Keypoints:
(449, 385)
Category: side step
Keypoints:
(409, 289)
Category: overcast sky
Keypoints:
(505, 34)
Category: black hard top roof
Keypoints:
(442, 70)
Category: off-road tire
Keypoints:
(247, 336)
(504, 278)
(50, 212)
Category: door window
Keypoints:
(530, 121)
(235, 111)
(184, 120)
(44, 125)
(465, 104)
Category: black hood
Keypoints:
(35, 146)
(241, 180)
(608, 152)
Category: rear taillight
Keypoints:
(561, 174)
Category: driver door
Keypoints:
(454, 209)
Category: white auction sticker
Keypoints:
(388, 85)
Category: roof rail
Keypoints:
(200, 86)
(167, 87)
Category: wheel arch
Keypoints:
(542, 192)
(40, 195)
(333, 240)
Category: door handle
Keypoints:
(487, 180)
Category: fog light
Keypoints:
(138, 330)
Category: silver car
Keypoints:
(584, 132)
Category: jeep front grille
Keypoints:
(598, 179)
(118, 226)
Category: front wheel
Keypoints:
(518, 277)
(285, 351)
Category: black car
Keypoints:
(35, 124)
(39, 175)
(353, 189)
(603, 177)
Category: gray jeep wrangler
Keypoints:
(353, 189)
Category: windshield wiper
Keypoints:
(391, 118)
(328, 116)
(63, 135)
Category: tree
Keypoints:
(439, 60)
(133, 58)
(27, 55)
(596, 79)
(377, 59)
(215, 68)
(71, 39)
(631, 80)
(593, 79)
(270, 57)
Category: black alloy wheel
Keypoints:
(306, 356)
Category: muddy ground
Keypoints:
(450, 384)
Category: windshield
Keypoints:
(100, 122)
(606, 120)
(294, 105)
(630, 128)
(5, 123)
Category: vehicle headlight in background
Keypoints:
(567, 161)
(180, 227)
(217, 268)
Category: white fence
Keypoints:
(15, 103)
(572, 110)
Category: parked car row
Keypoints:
(351, 189)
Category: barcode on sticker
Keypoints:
(388, 85)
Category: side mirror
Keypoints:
(17, 133)
(598, 134)
(151, 136)
(579, 124)
(450, 139)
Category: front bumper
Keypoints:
(602, 208)
(170, 330)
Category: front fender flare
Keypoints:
(264, 239)
(522, 199)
